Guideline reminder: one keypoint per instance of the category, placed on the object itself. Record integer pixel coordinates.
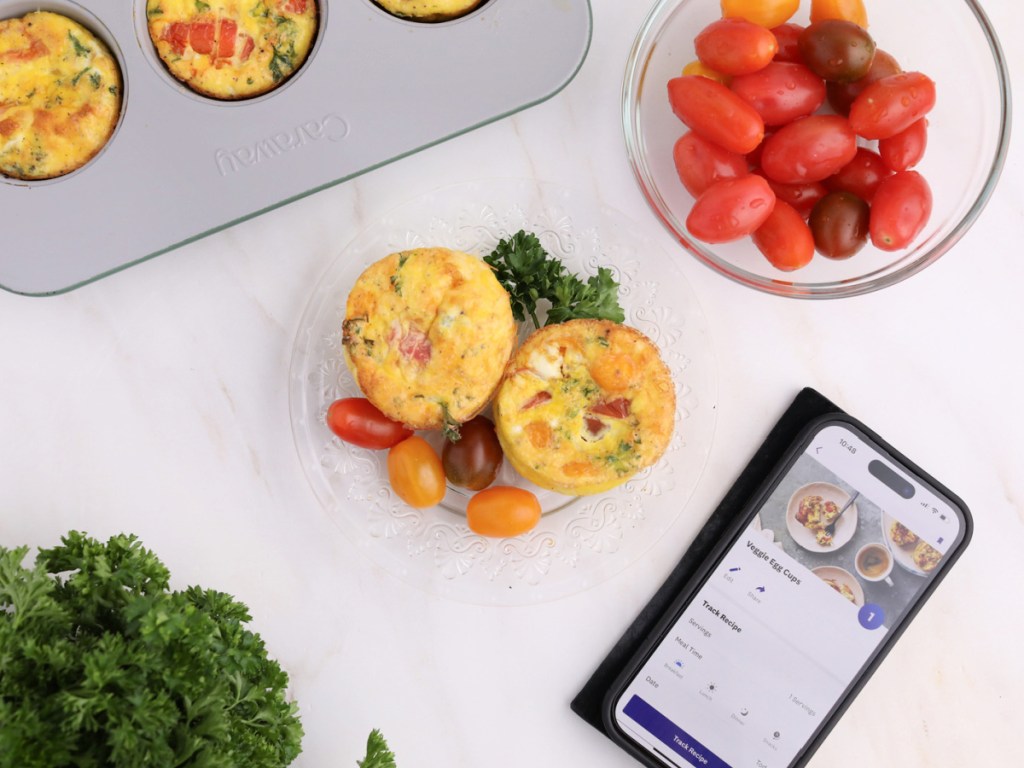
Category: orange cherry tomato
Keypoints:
(785, 239)
(416, 473)
(767, 13)
(735, 46)
(700, 68)
(503, 511)
(715, 113)
(847, 10)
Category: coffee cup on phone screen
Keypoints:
(874, 563)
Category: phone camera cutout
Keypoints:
(894, 482)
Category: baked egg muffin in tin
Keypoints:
(429, 10)
(584, 406)
(427, 334)
(232, 49)
(60, 95)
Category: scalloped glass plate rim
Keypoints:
(582, 541)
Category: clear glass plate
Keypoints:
(579, 541)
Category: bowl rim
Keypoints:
(635, 74)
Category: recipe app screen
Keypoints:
(793, 612)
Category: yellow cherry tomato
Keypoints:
(698, 67)
(416, 472)
(503, 510)
(847, 10)
(767, 13)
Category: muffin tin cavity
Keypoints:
(373, 88)
(225, 50)
(80, 130)
(429, 11)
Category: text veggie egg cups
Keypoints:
(969, 128)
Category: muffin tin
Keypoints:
(180, 166)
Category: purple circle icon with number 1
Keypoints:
(871, 616)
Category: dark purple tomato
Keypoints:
(837, 50)
(840, 224)
(842, 95)
(473, 461)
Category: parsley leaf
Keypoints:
(103, 665)
(377, 753)
(531, 275)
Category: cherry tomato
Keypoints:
(785, 239)
(730, 209)
(503, 511)
(788, 38)
(848, 10)
(892, 104)
(358, 421)
(767, 13)
(801, 196)
(900, 210)
(861, 176)
(839, 223)
(474, 459)
(781, 91)
(809, 149)
(842, 95)
(415, 472)
(754, 156)
(715, 113)
(700, 163)
(700, 68)
(735, 46)
(906, 148)
(837, 50)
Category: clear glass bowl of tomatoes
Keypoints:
(683, 136)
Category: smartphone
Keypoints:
(793, 610)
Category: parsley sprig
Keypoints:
(377, 753)
(532, 276)
(103, 665)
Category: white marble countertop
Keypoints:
(155, 401)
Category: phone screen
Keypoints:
(795, 610)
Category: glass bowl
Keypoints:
(969, 128)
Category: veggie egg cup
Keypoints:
(968, 135)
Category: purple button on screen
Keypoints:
(678, 740)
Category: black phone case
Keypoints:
(594, 701)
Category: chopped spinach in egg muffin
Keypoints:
(60, 95)
(584, 406)
(427, 334)
(232, 49)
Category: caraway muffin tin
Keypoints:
(181, 166)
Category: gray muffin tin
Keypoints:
(181, 166)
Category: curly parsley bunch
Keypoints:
(101, 665)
